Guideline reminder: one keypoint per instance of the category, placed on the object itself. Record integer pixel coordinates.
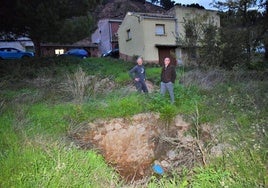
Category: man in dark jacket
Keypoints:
(138, 74)
(168, 77)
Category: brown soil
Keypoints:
(133, 144)
(151, 87)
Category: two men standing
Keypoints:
(168, 77)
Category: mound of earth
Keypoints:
(132, 145)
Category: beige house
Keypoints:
(182, 13)
(146, 35)
(155, 36)
(200, 16)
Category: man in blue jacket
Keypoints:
(137, 73)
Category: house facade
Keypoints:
(183, 14)
(106, 36)
(155, 36)
(148, 35)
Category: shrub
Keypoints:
(168, 113)
(79, 85)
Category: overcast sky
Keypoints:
(204, 3)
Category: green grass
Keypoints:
(49, 164)
(39, 159)
(35, 121)
(152, 74)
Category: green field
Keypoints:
(41, 101)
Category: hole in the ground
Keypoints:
(133, 144)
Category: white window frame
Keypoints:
(160, 29)
(129, 36)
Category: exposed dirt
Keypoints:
(133, 144)
(151, 87)
(128, 144)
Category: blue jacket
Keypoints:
(138, 72)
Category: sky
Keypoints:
(204, 3)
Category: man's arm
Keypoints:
(161, 75)
(132, 72)
(144, 74)
(173, 74)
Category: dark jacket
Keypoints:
(168, 74)
(138, 72)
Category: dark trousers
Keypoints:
(141, 86)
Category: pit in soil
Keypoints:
(133, 144)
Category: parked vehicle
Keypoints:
(13, 53)
(112, 53)
(77, 52)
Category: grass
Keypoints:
(49, 164)
(35, 121)
(35, 155)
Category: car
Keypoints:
(13, 53)
(112, 53)
(260, 49)
(77, 52)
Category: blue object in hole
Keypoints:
(158, 169)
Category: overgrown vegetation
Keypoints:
(36, 116)
(240, 41)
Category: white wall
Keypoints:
(102, 36)
(135, 46)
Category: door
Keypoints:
(164, 52)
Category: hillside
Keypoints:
(118, 8)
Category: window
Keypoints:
(59, 51)
(159, 29)
(129, 37)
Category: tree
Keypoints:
(264, 27)
(141, 1)
(76, 28)
(195, 5)
(166, 4)
(41, 20)
(198, 40)
(210, 52)
(240, 33)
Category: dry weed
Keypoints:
(80, 85)
(204, 79)
(2, 105)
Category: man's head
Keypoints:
(167, 61)
(139, 60)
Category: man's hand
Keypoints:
(137, 79)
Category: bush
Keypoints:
(168, 113)
(79, 85)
